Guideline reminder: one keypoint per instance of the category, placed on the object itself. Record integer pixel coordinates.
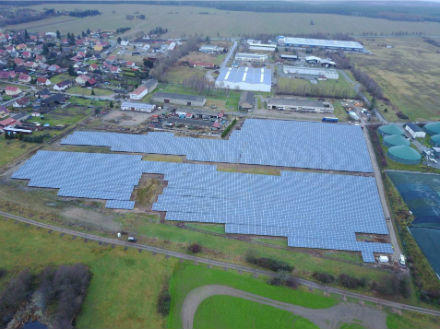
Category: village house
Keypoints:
(12, 90)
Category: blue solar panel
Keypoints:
(312, 210)
(312, 145)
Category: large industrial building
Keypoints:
(179, 99)
(311, 72)
(262, 47)
(320, 43)
(299, 105)
(245, 78)
(137, 107)
(250, 57)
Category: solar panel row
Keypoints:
(312, 210)
(262, 142)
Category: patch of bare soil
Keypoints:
(93, 219)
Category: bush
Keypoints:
(228, 128)
(194, 248)
(350, 282)
(283, 278)
(164, 302)
(269, 263)
(16, 292)
(396, 284)
(323, 277)
(3, 272)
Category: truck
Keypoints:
(330, 119)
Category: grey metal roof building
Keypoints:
(299, 105)
(137, 107)
(312, 210)
(311, 72)
(245, 78)
(320, 43)
(250, 57)
(180, 99)
(298, 144)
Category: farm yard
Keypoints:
(408, 73)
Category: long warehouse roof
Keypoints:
(320, 42)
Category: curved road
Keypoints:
(211, 262)
(326, 318)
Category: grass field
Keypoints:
(182, 21)
(244, 314)
(12, 149)
(183, 281)
(408, 73)
(88, 91)
(125, 284)
(66, 116)
(177, 74)
(328, 88)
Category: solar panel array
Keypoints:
(312, 210)
(312, 145)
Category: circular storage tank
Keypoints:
(435, 140)
(404, 154)
(395, 140)
(390, 130)
(433, 128)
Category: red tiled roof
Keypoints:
(7, 122)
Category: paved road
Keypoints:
(381, 190)
(229, 54)
(329, 318)
(211, 262)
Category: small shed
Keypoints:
(247, 101)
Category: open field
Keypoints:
(190, 20)
(244, 314)
(121, 293)
(329, 88)
(408, 73)
(183, 281)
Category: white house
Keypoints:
(143, 89)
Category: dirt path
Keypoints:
(329, 318)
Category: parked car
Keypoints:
(131, 239)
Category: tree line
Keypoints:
(160, 66)
(84, 13)
(60, 291)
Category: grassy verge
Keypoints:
(163, 158)
(125, 284)
(245, 314)
(183, 281)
